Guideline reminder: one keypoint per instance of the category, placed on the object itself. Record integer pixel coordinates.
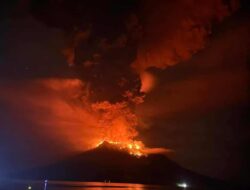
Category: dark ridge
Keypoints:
(109, 163)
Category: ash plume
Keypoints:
(111, 46)
(159, 33)
(114, 45)
(173, 31)
(154, 34)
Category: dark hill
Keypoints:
(108, 163)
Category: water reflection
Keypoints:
(64, 185)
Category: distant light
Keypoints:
(183, 185)
(29, 187)
(45, 184)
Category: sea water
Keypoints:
(66, 185)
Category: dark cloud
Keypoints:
(32, 50)
(214, 78)
(201, 105)
(106, 37)
(173, 31)
(104, 53)
(192, 53)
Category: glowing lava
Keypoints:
(134, 148)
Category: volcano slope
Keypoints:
(108, 163)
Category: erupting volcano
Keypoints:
(118, 127)
(97, 85)
(113, 162)
(134, 148)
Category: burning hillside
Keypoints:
(134, 148)
(118, 126)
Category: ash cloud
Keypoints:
(173, 31)
(102, 56)
(105, 42)
(111, 47)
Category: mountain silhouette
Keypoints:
(109, 163)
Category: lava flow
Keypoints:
(134, 148)
(117, 124)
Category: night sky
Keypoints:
(188, 61)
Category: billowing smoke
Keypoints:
(160, 33)
(173, 31)
(116, 121)
(112, 45)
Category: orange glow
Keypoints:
(134, 148)
(117, 124)
(64, 114)
(147, 81)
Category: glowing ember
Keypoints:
(134, 148)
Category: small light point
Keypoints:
(183, 185)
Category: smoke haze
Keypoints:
(77, 72)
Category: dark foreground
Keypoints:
(74, 185)
(64, 185)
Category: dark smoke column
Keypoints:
(100, 42)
